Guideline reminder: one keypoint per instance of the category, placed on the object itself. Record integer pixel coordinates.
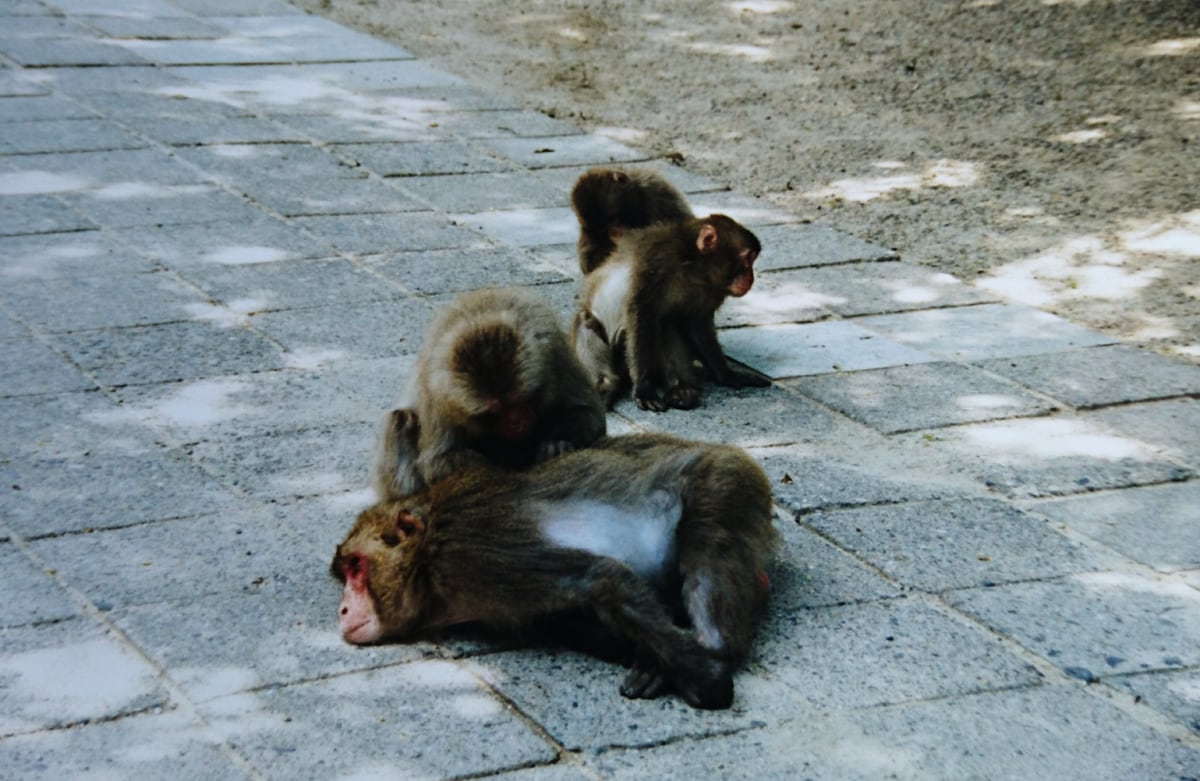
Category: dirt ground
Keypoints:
(1048, 150)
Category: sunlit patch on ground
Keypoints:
(1057, 438)
(938, 173)
(40, 183)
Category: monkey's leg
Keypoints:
(682, 390)
(596, 355)
(703, 338)
(394, 473)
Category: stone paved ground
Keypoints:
(224, 226)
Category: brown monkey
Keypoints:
(610, 201)
(633, 529)
(647, 311)
(497, 379)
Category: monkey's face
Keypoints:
(374, 566)
(732, 250)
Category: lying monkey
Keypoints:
(632, 529)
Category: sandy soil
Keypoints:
(1048, 150)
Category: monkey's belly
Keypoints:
(640, 535)
(608, 302)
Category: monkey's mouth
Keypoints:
(742, 283)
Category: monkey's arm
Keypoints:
(395, 472)
(643, 345)
(702, 335)
(577, 418)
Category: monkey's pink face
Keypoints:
(742, 283)
(357, 618)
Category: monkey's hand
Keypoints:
(645, 681)
(683, 397)
(708, 686)
(736, 378)
(646, 394)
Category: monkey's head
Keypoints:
(375, 565)
(731, 250)
(495, 373)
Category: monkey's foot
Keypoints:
(683, 397)
(644, 682)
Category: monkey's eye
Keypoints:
(353, 565)
(389, 539)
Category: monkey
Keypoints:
(647, 312)
(610, 201)
(631, 530)
(495, 379)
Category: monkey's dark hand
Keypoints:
(647, 397)
(644, 682)
(708, 686)
(683, 397)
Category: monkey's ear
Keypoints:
(707, 240)
(408, 524)
(620, 177)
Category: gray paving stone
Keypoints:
(148, 8)
(196, 131)
(524, 227)
(20, 84)
(1099, 376)
(95, 301)
(1171, 425)
(29, 367)
(89, 80)
(791, 350)
(959, 543)
(451, 271)
(239, 164)
(165, 353)
(377, 383)
(29, 214)
(288, 23)
(1061, 732)
(263, 287)
(11, 330)
(264, 240)
(258, 50)
(106, 488)
(141, 747)
(120, 207)
(686, 181)
(748, 417)
(1154, 525)
(242, 551)
(32, 108)
(551, 151)
(46, 51)
(560, 772)
(55, 675)
(50, 255)
(750, 211)
(334, 196)
(63, 424)
(65, 135)
(810, 572)
(375, 233)
(269, 8)
(1095, 625)
(1052, 457)
(505, 123)
(34, 21)
(803, 480)
(921, 396)
(154, 27)
(420, 158)
(114, 172)
(466, 193)
(862, 655)
(879, 287)
(772, 301)
(364, 120)
(1174, 693)
(801, 245)
(282, 85)
(286, 732)
(136, 107)
(377, 330)
(32, 596)
(982, 332)
(318, 460)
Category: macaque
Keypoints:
(647, 312)
(497, 380)
(631, 532)
(610, 201)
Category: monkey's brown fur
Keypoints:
(647, 311)
(497, 379)
(610, 201)
(487, 546)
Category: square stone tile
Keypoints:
(939, 545)
(155, 206)
(1099, 376)
(112, 173)
(245, 164)
(206, 130)
(552, 151)
(263, 240)
(106, 489)
(453, 271)
(26, 214)
(66, 50)
(791, 350)
(1155, 525)
(504, 124)
(748, 417)
(32, 595)
(976, 333)
(1175, 693)
(169, 352)
(50, 255)
(1170, 425)
(525, 227)
(921, 396)
(27, 366)
(1097, 624)
(290, 284)
(65, 135)
(334, 196)
(421, 158)
(56, 675)
(155, 27)
(284, 85)
(96, 301)
(878, 287)
(363, 120)
(809, 572)
(375, 233)
(773, 300)
(377, 330)
(52, 425)
(1051, 457)
(884, 653)
(466, 193)
(750, 211)
(31, 108)
(287, 731)
(801, 245)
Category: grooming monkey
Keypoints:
(632, 529)
(496, 380)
